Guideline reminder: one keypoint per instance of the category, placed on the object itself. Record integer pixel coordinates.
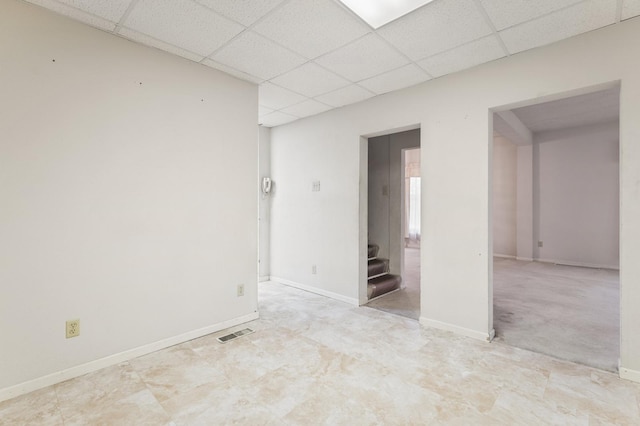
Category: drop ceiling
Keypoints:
(310, 56)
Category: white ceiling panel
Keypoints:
(107, 9)
(276, 97)
(311, 27)
(263, 110)
(630, 8)
(150, 41)
(183, 23)
(582, 110)
(436, 27)
(255, 55)
(397, 79)
(463, 57)
(364, 58)
(245, 12)
(506, 14)
(310, 80)
(563, 24)
(275, 119)
(79, 15)
(232, 71)
(306, 108)
(345, 96)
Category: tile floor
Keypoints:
(313, 360)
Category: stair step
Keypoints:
(377, 267)
(384, 284)
(372, 250)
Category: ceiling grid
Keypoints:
(309, 56)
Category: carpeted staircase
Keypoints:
(380, 280)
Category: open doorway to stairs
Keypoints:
(555, 217)
(393, 223)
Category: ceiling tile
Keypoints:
(566, 23)
(258, 56)
(396, 79)
(275, 119)
(306, 108)
(466, 56)
(232, 71)
(107, 9)
(345, 96)
(182, 23)
(436, 27)
(150, 41)
(76, 14)
(505, 14)
(276, 97)
(364, 58)
(311, 27)
(630, 8)
(310, 80)
(245, 12)
(581, 110)
(263, 110)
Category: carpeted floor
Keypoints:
(406, 301)
(567, 312)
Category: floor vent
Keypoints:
(225, 339)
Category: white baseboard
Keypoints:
(628, 374)
(474, 334)
(264, 278)
(503, 256)
(525, 259)
(330, 294)
(580, 264)
(79, 370)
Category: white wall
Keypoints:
(578, 195)
(124, 203)
(505, 174)
(453, 113)
(524, 209)
(264, 170)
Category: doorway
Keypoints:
(393, 221)
(555, 227)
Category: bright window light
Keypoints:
(379, 12)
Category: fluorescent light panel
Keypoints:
(379, 12)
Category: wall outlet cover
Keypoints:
(72, 328)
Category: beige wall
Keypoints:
(123, 203)
(505, 175)
(453, 113)
(577, 202)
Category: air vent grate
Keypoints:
(228, 337)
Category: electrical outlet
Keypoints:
(240, 290)
(539, 243)
(73, 328)
(313, 269)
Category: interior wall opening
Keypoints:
(393, 223)
(555, 227)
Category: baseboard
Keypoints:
(628, 374)
(474, 334)
(525, 259)
(321, 292)
(579, 264)
(79, 370)
(503, 256)
(264, 278)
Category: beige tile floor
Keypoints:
(313, 360)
